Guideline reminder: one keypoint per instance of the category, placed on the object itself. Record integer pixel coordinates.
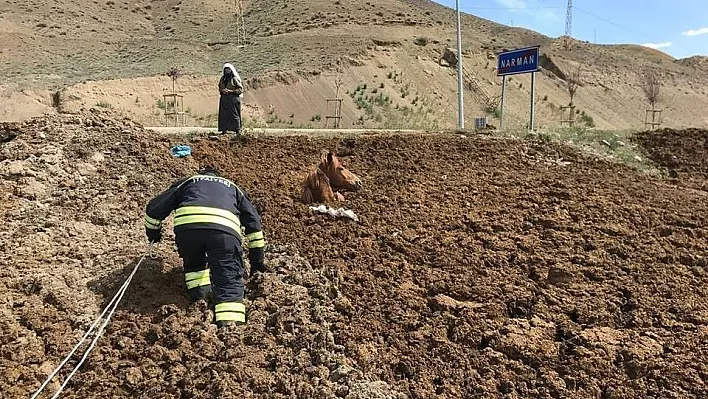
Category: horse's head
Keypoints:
(339, 176)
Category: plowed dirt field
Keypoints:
(683, 152)
(480, 268)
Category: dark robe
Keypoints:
(229, 105)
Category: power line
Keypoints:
(646, 36)
(513, 8)
(569, 9)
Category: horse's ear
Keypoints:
(330, 157)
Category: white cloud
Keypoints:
(657, 45)
(529, 7)
(696, 32)
(514, 4)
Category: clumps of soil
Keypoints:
(479, 268)
(683, 152)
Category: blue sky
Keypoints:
(677, 27)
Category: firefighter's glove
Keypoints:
(153, 235)
(256, 257)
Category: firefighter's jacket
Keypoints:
(207, 202)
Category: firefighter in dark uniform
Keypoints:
(210, 212)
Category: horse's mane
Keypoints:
(316, 182)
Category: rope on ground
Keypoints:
(114, 302)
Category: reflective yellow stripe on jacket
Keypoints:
(204, 214)
(256, 240)
(152, 223)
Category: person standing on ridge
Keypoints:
(231, 90)
(209, 214)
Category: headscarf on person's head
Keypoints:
(230, 67)
(227, 72)
(234, 74)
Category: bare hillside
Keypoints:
(75, 54)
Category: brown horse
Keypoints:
(322, 184)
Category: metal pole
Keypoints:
(533, 88)
(501, 111)
(460, 110)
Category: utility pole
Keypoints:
(240, 24)
(460, 110)
(568, 24)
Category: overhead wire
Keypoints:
(643, 34)
(514, 8)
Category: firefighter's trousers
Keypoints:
(213, 262)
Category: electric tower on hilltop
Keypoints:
(240, 25)
(568, 24)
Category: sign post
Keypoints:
(501, 110)
(533, 97)
(514, 62)
(460, 109)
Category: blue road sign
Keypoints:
(523, 60)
